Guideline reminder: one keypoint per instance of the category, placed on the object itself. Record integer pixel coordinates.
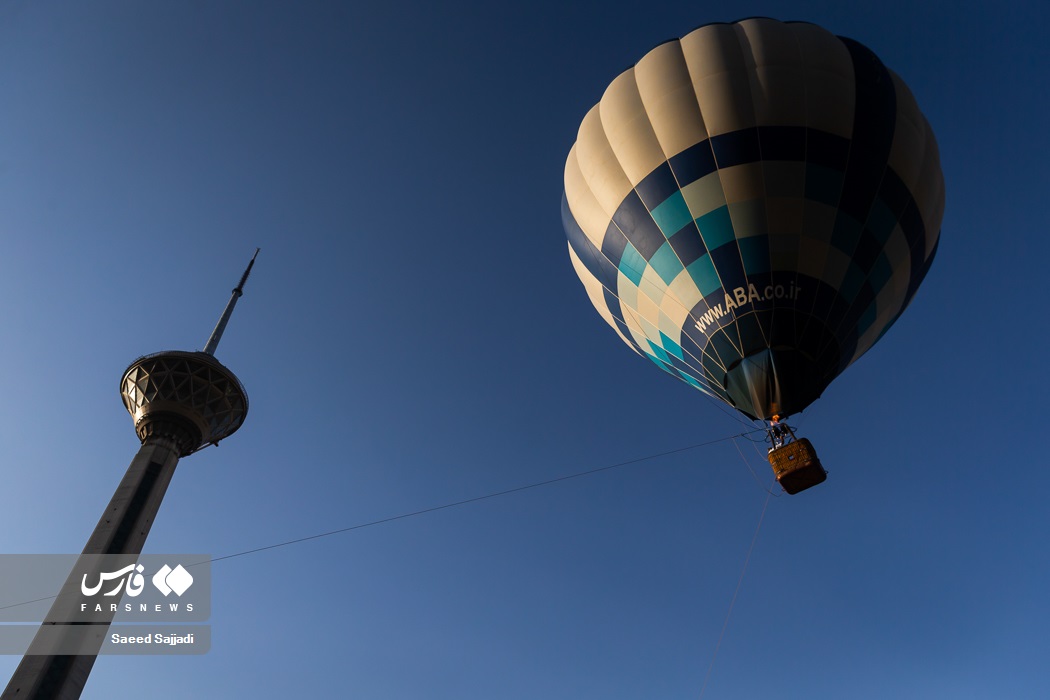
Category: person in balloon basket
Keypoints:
(779, 434)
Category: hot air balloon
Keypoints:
(752, 207)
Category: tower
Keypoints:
(180, 402)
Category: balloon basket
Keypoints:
(796, 466)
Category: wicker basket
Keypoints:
(796, 466)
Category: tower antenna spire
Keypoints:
(216, 335)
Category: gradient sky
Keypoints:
(413, 335)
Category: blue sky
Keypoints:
(413, 335)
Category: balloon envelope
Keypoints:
(752, 207)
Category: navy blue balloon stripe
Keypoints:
(782, 142)
(657, 186)
(693, 163)
(635, 221)
(736, 148)
(633, 218)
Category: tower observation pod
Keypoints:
(180, 402)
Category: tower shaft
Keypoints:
(122, 529)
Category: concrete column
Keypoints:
(122, 529)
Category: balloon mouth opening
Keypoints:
(775, 381)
